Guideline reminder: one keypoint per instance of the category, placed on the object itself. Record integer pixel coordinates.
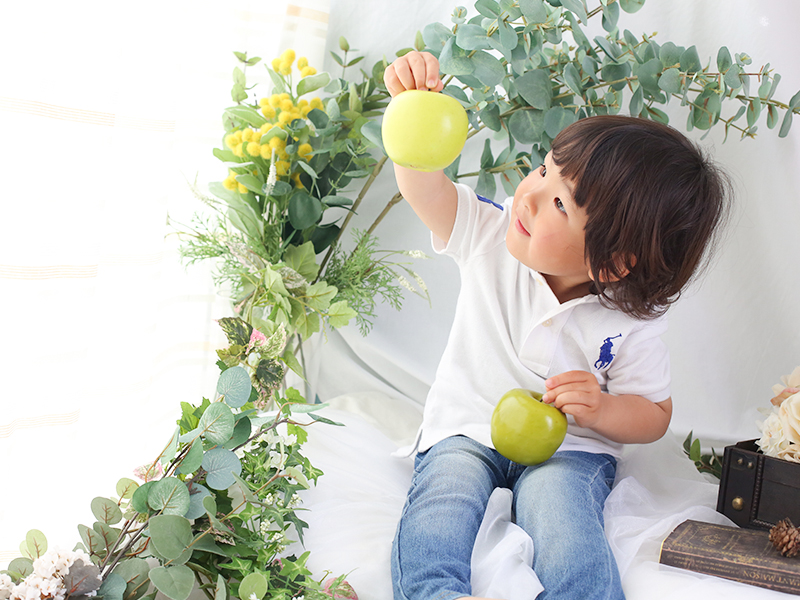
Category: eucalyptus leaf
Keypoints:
(690, 60)
(372, 131)
(22, 566)
(671, 81)
(108, 533)
(556, 119)
(192, 459)
(245, 114)
(631, 6)
(170, 534)
(534, 10)
(251, 182)
(724, 60)
(253, 586)
(454, 60)
(786, 124)
(216, 424)
(92, 541)
(35, 543)
(139, 497)
(135, 572)
(169, 496)
(576, 6)
(304, 209)
(106, 510)
(234, 385)
(472, 37)
(220, 464)
(241, 433)
(221, 592)
(535, 88)
(125, 488)
(113, 587)
(312, 83)
(527, 126)
(175, 582)
(488, 69)
(435, 36)
(487, 186)
(81, 579)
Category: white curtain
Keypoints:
(108, 112)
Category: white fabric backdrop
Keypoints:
(110, 111)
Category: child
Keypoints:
(563, 290)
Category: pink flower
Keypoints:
(342, 591)
(149, 472)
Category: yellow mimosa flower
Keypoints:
(306, 71)
(285, 118)
(316, 103)
(242, 189)
(287, 104)
(296, 179)
(285, 69)
(230, 183)
(268, 112)
(231, 141)
(239, 150)
(247, 135)
(254, 149)
(282, 167)
(262, 102)
(274, 100)
(288, 55)
(304, 150)
(302, 63)
(276, 64)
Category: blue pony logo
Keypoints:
(605, 353)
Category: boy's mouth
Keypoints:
(520, 227)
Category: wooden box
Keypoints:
(756, 490)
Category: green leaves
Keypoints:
(234, 386)
(535, 88)
(220, 464)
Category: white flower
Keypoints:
(788, 381)
(789, 411)
(6, 585)
(773, 439)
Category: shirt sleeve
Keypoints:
(480, 225)
(642, 366)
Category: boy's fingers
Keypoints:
(432, 80)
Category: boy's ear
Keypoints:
(621, 266)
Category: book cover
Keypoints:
(744, 555)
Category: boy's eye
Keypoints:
(543, 170)
(560, 205)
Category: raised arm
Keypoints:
(432, 195)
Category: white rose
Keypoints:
(773, 438)
(789, 412)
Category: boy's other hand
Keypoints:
(575, 393)
(413, 71)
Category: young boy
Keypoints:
(563, 291)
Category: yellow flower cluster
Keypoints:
(281, 107)
(283, 64)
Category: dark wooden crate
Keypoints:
(756, 490)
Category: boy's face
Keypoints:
(547, 228)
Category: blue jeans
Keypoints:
(558, 503)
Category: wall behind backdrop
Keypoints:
(111, 111)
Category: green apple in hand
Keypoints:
(424, 130)
(525, 429)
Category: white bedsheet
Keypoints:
(356, 505)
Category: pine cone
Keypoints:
(786, 538)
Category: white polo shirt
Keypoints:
(510, 331)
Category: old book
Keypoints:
(744, 555)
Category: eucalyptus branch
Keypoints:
(395, 199)
(375, 171)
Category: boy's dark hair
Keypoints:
(654, 203)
